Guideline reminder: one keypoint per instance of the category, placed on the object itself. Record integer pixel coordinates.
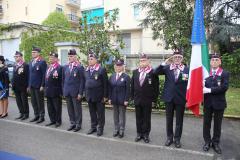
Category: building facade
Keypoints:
(36, 11)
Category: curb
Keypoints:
(156, 111)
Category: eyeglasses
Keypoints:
(179, 57)
(16, 56)
(215, 59)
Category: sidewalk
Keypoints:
(192, 140)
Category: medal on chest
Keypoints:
(20, 70)
(55, 74)
(96, 76)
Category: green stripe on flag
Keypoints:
(205, 60)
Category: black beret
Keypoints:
(143, 56)
(91, 54)
(119, 62)
(177, 53)
(18, 53)
(36, 49)
(54, 54)
(2, 59)
(72, 52)
(215, 55)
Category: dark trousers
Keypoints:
(74, 107)
(207, 119)
(170, 107)
(54, 105)
(22, 102)
(119, 116)
(97, 114)
(37, 99)
(143, 118)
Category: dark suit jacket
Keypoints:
(20, 78)
(173, 91)
(148, 92)
(73, 82)
(37, 74)
(53, 83)
(119, 90)
(219, 86)
(96, 85)
(4, 77)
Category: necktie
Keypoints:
(117, 76)
(214, 73)
(33, 62)
(91, 70)
(49, 71)
(176, 74)
(142, 77)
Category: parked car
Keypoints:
(10, 65)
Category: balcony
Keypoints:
(1, 10)
(73, 18)
(73, 3)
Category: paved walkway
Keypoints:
(43, 143)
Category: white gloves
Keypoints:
(206, 90)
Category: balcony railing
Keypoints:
(73, 18)
(74, 3)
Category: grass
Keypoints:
(233, 102)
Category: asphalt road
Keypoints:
(48, 143)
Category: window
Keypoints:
(136, 11)
(26, 11)
(126, 38)
(59, 8)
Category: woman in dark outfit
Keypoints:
(4, 88)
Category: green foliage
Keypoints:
(103, 37)
(95, 36)
(230, 62)
(57, 20)
(45, 40)
(170, 21)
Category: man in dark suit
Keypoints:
(53, 90)
(96, 90)
(37, 70)
(144, 90)
(73, 87)
(20, 84)
(174, 95)
(214, 91)
(119, 92)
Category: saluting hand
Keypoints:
(41, 89)
(168, 60)
(79, 97)
(125, 103)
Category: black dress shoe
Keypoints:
(146, 139)
(99, 133)
(115, 134)
(34, 119)
(138, 138)
(20, 117)
(91, 131)
(168, 142)
(24, 117)
(49, 124)
(57, 125)
(217, 148)
(178, 144)
(40, 120)
(206, 146)
(77, 128)
(3, 116)
(71, 127)
(121, 134)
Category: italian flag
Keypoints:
(199, 65)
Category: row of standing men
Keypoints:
(73, 81)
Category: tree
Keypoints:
(102, 37)
(170, 21)
(57, 20)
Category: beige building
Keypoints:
(35, 11)
(136, 38)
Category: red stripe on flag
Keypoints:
(195, 91)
